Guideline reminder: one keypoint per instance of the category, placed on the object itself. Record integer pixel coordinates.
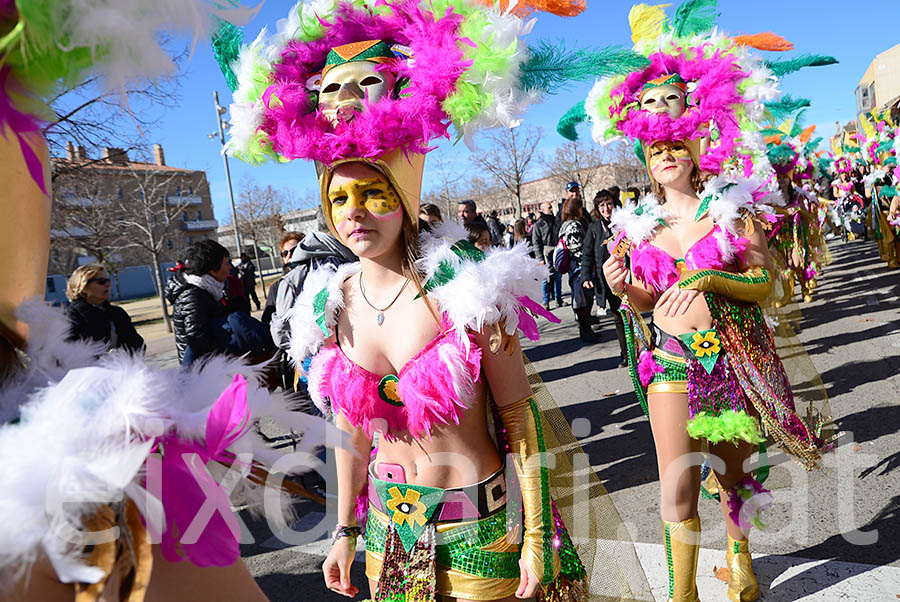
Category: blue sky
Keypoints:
(824, 27)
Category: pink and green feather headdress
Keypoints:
(727, 86)
(468, 69)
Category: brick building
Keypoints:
(101, 207)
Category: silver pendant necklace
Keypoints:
(380, 310)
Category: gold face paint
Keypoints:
(374, 195)
(344, 88)
(664, 99)
(661, 151)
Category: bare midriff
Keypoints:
(455, 455)
(696, 318)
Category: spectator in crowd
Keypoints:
(288, 243)
(197, 297)
(509, 236)
(479, 235)
(467, 213)
(430, 214)
(91, 315)
(496, 228)
(315, 250)
(544, 236)
(247, 271)
(596, 251)
(571, 233)
(520, 233)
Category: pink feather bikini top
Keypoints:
(716, 250)
(434, 387)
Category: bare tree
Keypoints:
(629, 170)
(259, 216)
(88, 116)
(575, 161)
(85, 221)
(150, 211)
(509, 157)
(447, 190)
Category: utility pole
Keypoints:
(220, 110)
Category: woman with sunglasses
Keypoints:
(93, 317)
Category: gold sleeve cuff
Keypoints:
(752, 286)
(526, 441)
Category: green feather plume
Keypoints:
(553, 66)
(787, 106)
(825, 164)
(783, 67)
(694, 16)
(566, 124)
(226, 43)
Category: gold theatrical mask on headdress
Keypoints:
(351, 76)
(666, 94)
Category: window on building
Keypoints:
(118, 194)
(184, 216)
(169, 244)
(178, 191)
(198, 215)
(189, 241)
(188, 191)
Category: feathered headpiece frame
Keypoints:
(467, 66)
(727, 85)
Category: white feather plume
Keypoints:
(639, 226)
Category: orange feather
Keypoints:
(764, 41)
(806, 134)
(774, 139)
(560, 8)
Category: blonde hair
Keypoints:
(78, 281)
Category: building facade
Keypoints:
(112, 209)
(879, 88)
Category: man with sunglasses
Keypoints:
(91, 315)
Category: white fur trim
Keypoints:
(639, 228)
(306, 336)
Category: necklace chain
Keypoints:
(380, 318)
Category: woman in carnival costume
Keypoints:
(707, 370)
(105, 459)
(880, 148)
(844, 187)
(798, 247)
(415, 348)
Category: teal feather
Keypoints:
(812, 145)
(566, 124)
(553, 66)
(787, 106)
(694, 16)
(797, 128)
(885, 146)
(226, 43)
(785, 66)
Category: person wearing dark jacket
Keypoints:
(92, 317)
(196, 297)
(288, 243)
(594, 254)
(544, 236)
(247, 271)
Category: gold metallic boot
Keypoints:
(682, 548)
(742, 585)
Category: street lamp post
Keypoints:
(220, 110)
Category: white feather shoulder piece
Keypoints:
(474, 293)
(639, 221)
(315, 312)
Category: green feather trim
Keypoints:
(694, 16)
(553, 66)
(888, 192)
(885, 147)
(728, 426)
(566, 124)
(226, 43)
(786, 107)
(783, 67)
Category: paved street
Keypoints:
(852, 334)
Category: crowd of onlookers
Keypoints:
(211, 296)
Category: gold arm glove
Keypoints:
(526, 441)
(751, 286)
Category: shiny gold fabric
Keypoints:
(682, 541)
(24, 231)
(526, 444)
(752, 286)
(601, 539)
(742, 584)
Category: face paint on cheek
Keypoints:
(383, 204)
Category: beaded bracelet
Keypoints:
(342, 531)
